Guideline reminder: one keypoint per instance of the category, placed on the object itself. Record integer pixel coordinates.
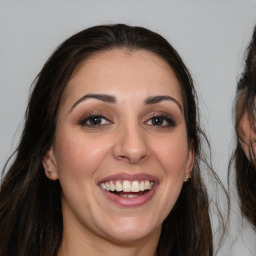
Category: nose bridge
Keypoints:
(131, 144)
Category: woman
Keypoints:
(244, 154)
(108, 162)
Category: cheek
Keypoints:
(172, 154)
(78, 156)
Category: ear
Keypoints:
(190, 161)
(49, 164)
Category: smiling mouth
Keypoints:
(127, 188)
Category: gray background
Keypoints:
(209, 35)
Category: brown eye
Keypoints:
(160, 120)
(157, 120)
(94, 121)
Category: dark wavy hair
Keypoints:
(30, 203)
(245, 102)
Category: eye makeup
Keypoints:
(94, 120)
(161, 120)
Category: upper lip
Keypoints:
(130, 177)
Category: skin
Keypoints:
(247, 135)
(126, 141)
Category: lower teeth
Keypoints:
(128, 196)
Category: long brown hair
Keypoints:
(245, 102)
(30, 204)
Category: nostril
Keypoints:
(122, 157)
(131, 145)
(131, 158)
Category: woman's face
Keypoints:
(121, 152)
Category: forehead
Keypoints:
(122, 70)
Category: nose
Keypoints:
(131, 145)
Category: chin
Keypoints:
(130, 231)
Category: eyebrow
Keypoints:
(111, 99)
(157, 99)
(101, 97)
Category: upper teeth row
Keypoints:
(128, 186)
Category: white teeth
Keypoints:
(112, 186)
(127, 186)
(128, 196)
(135, 186)
(147, 184)
(103, 185)
(119, 186)
(142, 186)
(107, 186)
(132, 196)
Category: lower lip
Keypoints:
(130, 202)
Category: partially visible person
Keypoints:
(245, 126)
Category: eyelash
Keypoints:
(162, 118)
(93, 117)
(165, 121)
